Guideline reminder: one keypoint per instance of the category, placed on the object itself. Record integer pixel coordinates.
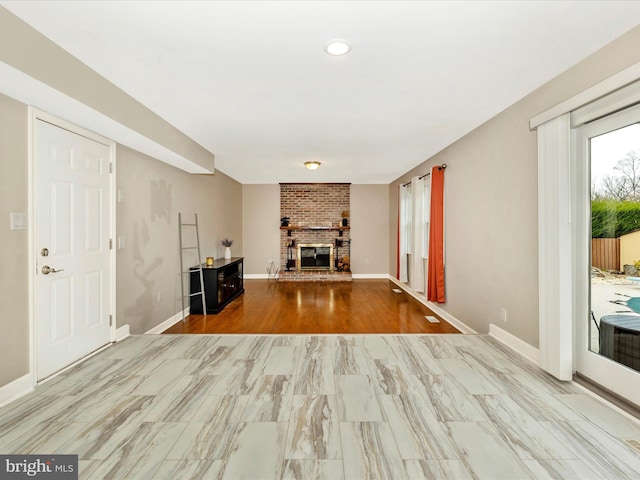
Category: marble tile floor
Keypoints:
(320, 407)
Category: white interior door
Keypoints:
(72, 209)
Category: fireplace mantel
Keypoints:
(289, 229)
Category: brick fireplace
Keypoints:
(315, 213)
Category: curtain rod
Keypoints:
(441, 167)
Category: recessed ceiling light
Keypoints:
(312, 165)
(337, 47)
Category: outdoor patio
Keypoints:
(607, 288)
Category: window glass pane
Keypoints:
(614, 323)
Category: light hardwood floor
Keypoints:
(320, 406)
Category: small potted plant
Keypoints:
(226, 242)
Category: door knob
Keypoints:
(46, 270)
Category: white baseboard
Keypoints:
(167, 323)
(514, 343)
(464, 328)
(16, 389)
(264, 276)
(122, 332)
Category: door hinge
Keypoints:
(110, 244)
(110, 167)
(110, 320)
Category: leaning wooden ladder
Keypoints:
(183, 272)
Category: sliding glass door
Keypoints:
(606, 191)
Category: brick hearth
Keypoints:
(314, 276)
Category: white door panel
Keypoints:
(72, 221)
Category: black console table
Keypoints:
(223, 281)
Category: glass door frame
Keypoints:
(609, 374)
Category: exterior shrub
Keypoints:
(612, 219)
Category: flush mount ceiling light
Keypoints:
(337, 47)
(312, 165)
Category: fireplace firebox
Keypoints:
(315, 256)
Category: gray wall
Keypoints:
(14, 279)
(369, 229)
(148, 279)
(491, 203)
(368, 221)
(260, 227)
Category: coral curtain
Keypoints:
(435, 278)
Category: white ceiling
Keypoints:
(250, 80)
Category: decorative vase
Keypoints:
(227, 253)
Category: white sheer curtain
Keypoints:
(426, 218)
(404, 232)
(418, 252)
(413, 232)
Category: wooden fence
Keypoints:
(605, 253)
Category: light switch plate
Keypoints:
(19, 221)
